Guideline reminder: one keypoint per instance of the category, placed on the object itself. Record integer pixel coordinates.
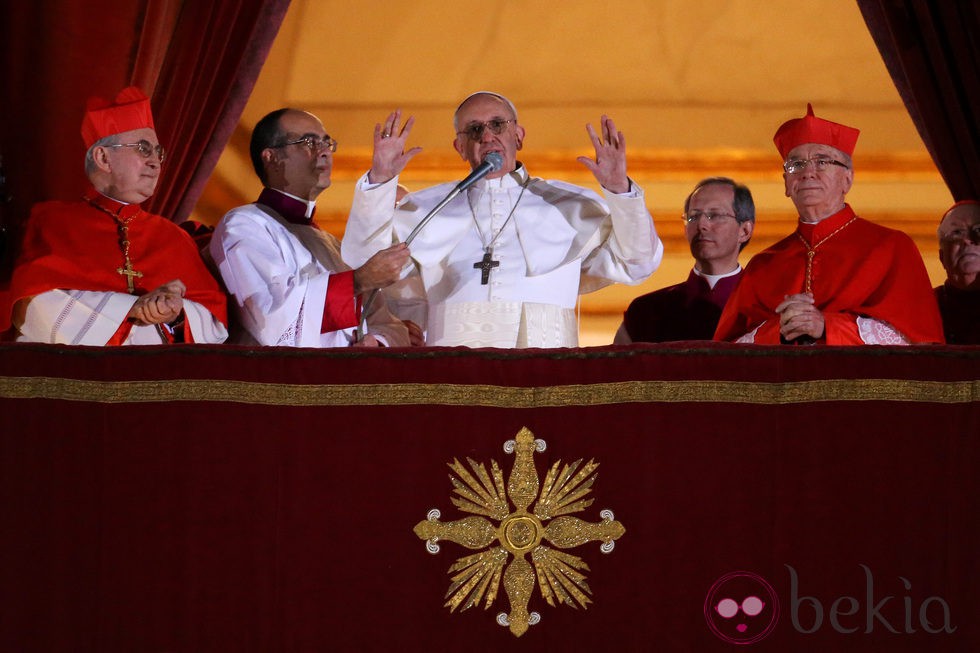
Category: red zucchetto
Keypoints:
(810, 129)
(130, 110)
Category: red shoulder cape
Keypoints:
(74, 245)
(864, 269)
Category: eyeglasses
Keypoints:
(971, 233)
(313, 143)
(819, 164)
(145, 148)
(713, 218)
(474, 131)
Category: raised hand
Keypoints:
(390, 156)
(609, 166)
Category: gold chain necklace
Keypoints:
(812, 252)
(122, 227)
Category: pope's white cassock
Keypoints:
(549, 241)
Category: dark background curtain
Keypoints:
(214, 58)
(56, 53)
(931, 51)
(198, 61)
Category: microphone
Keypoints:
(492, 162)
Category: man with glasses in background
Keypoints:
(719, 216)
(959, 252)
(838, 279)
(289, 283)
(102, 271)
(503, 263)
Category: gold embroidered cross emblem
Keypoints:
(520, 531)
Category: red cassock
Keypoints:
(859, 269)
(76, 246)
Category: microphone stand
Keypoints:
(492, 162)
(362, 324)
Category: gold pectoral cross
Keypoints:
(122, 227)
(127, 268)
(130, 273)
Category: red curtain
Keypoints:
(211, 64)
(932, 51)
(197, 60)
(55, 54)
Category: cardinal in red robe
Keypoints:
(838, 279)
(101, 270)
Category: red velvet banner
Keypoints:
(219, 499)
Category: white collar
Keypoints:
(111, 198)
(712, 279)
(513, 179)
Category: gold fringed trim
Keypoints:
(449, 394)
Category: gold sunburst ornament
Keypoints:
(519, 532)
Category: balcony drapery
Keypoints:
(217, 498)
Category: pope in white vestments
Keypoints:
(503, 263)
